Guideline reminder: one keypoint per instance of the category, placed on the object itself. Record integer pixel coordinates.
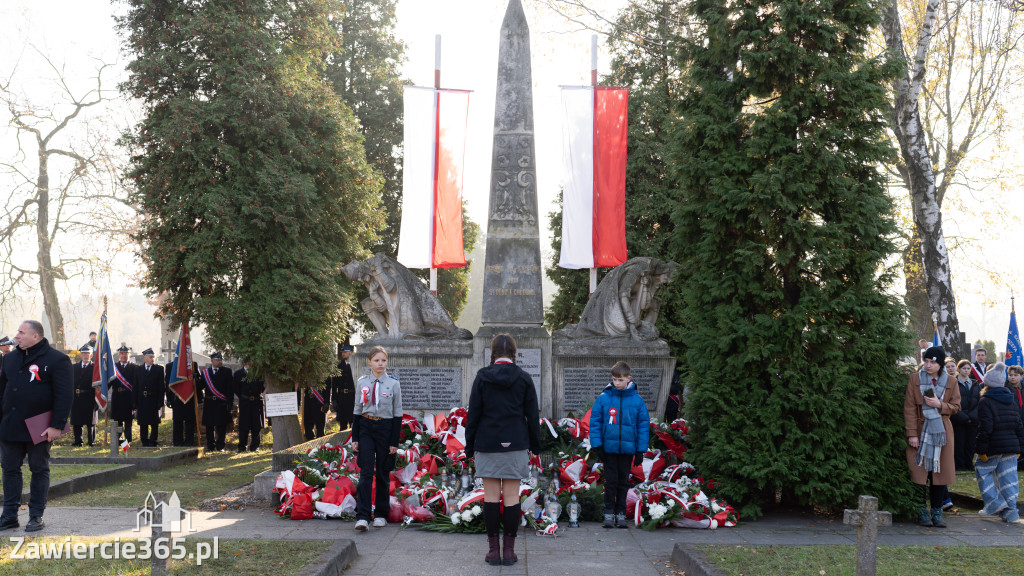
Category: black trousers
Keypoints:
(215, 437)
(374, 462)
(616, 482)
(963, 445)
(12, 456)
(90, 433)
(314, 422)
(249, 426)
(183, 431)
(148, 433)
(126, 428)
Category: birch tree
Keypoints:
(63, 192)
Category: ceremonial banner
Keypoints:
(595, 128)
(1013, 348)
(182, 380)
(103, 366)
(434, 161)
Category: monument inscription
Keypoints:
(582, 385)
(428, 387)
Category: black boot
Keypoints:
(492, 521)
(512, 517)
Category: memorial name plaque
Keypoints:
(283, 404)
(582, 385)
(526, 358)
(428, 387)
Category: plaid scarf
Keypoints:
(933, 434)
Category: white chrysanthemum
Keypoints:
(419, 437)
(456, 518)
(657, 511)
(477, 510)
(400, 452)
(715, 507)
(467, 515)
(701, 497)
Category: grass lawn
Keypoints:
(966, 483)
(209, 476)
(842, 560)
(249, 557)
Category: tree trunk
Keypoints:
(917, 294)
(51, 306)
(287, 432)
(910, 134)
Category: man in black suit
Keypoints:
(250, 409)
(149, 398)
(217, 400)
(122, 392)
(314, 410)
(183, 414)
(35, 379)
(83, 408)
(343, 389)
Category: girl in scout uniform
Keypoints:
(375, 431)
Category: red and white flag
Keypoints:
(595, 128)
(434, 162)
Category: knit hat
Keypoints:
(936, 354)
(996, 376)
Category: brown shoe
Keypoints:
(493, 551)
(508, 553)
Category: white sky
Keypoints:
(77, 32)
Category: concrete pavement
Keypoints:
(587, 550)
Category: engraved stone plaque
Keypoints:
(582, 385)
(428, 387)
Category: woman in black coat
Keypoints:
(503, 424)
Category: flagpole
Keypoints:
(593, 83)
(437, 85)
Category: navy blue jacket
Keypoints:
(503, 412)
(631, 430)
(31, 382)
(1000, 430)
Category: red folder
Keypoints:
(38, 424)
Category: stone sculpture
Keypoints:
(624, 304)
(400, 305)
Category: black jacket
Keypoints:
(121, 398)
(968, 414)
(83, 409)
(343, 389)
(503, 412)
(31, 382)
(149, 394)
(1000, 430)
(216, 410)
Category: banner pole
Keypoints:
(437, 85)
(593, 82)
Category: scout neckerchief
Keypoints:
(209, 384)
(933, 433)
(502, 361)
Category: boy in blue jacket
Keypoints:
(619, 433)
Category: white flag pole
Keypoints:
(437, 85)
(593, 82)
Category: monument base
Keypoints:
(435, 375)
(533, 346)
(582, 369)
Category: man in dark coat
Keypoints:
(122, 392)
(250, 409)
(83, 408)
(183, 414)
(314, 410)
(35, 379)
(149, 397)
(343, 389)
(92, 341)
(5, 346)
(216, 382)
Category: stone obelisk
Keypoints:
(513, 301)
(512, 277)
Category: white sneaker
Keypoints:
(362, 525)
(379, 522)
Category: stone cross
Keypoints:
(867, 519)
(158, 566)
(115, 432)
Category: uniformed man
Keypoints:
(5, 346)
(84, 408)
(343, 389)
(122, 392)
(314, 411)
(250, 408)
(149, 397)
(183, 414)
(216, 382)
(92, 341)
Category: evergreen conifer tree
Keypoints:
(783, 231)
(251, 178)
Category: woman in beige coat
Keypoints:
(932, 397)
